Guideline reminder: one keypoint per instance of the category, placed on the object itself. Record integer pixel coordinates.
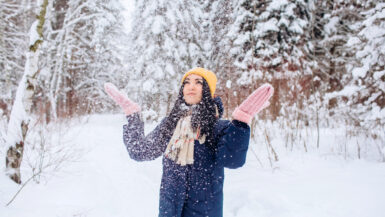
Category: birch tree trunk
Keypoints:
(21, 111)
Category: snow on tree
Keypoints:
(16, 18)
(168, 39)
(64, 71)
(342, 76)
(21, 113)
(269, 43)
(364, 92)
(220, 60)
(81, 53)
(337, 24)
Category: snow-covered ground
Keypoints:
(106, 182)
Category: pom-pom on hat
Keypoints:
(208, 75)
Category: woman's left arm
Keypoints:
(234, 138)
(233, 143)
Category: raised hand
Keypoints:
(254, 103)
(128, 106)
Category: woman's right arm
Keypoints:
(141, 147)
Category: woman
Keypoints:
(196, 145)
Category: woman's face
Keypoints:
(192, 90)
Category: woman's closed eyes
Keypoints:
(197, 81)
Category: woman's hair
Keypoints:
(203, 113)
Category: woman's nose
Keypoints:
(192, 87)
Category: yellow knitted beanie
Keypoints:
(208, 75)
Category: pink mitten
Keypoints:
(257, 101)
(128, 106)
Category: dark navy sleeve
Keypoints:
(139, 146)
(233, 143)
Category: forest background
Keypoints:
(325, 59)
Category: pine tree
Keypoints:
(269, 43)
(168, 38)
(335, 24)
(364, 92)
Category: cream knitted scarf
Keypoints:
(181, 146)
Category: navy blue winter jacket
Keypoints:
(197, 189)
